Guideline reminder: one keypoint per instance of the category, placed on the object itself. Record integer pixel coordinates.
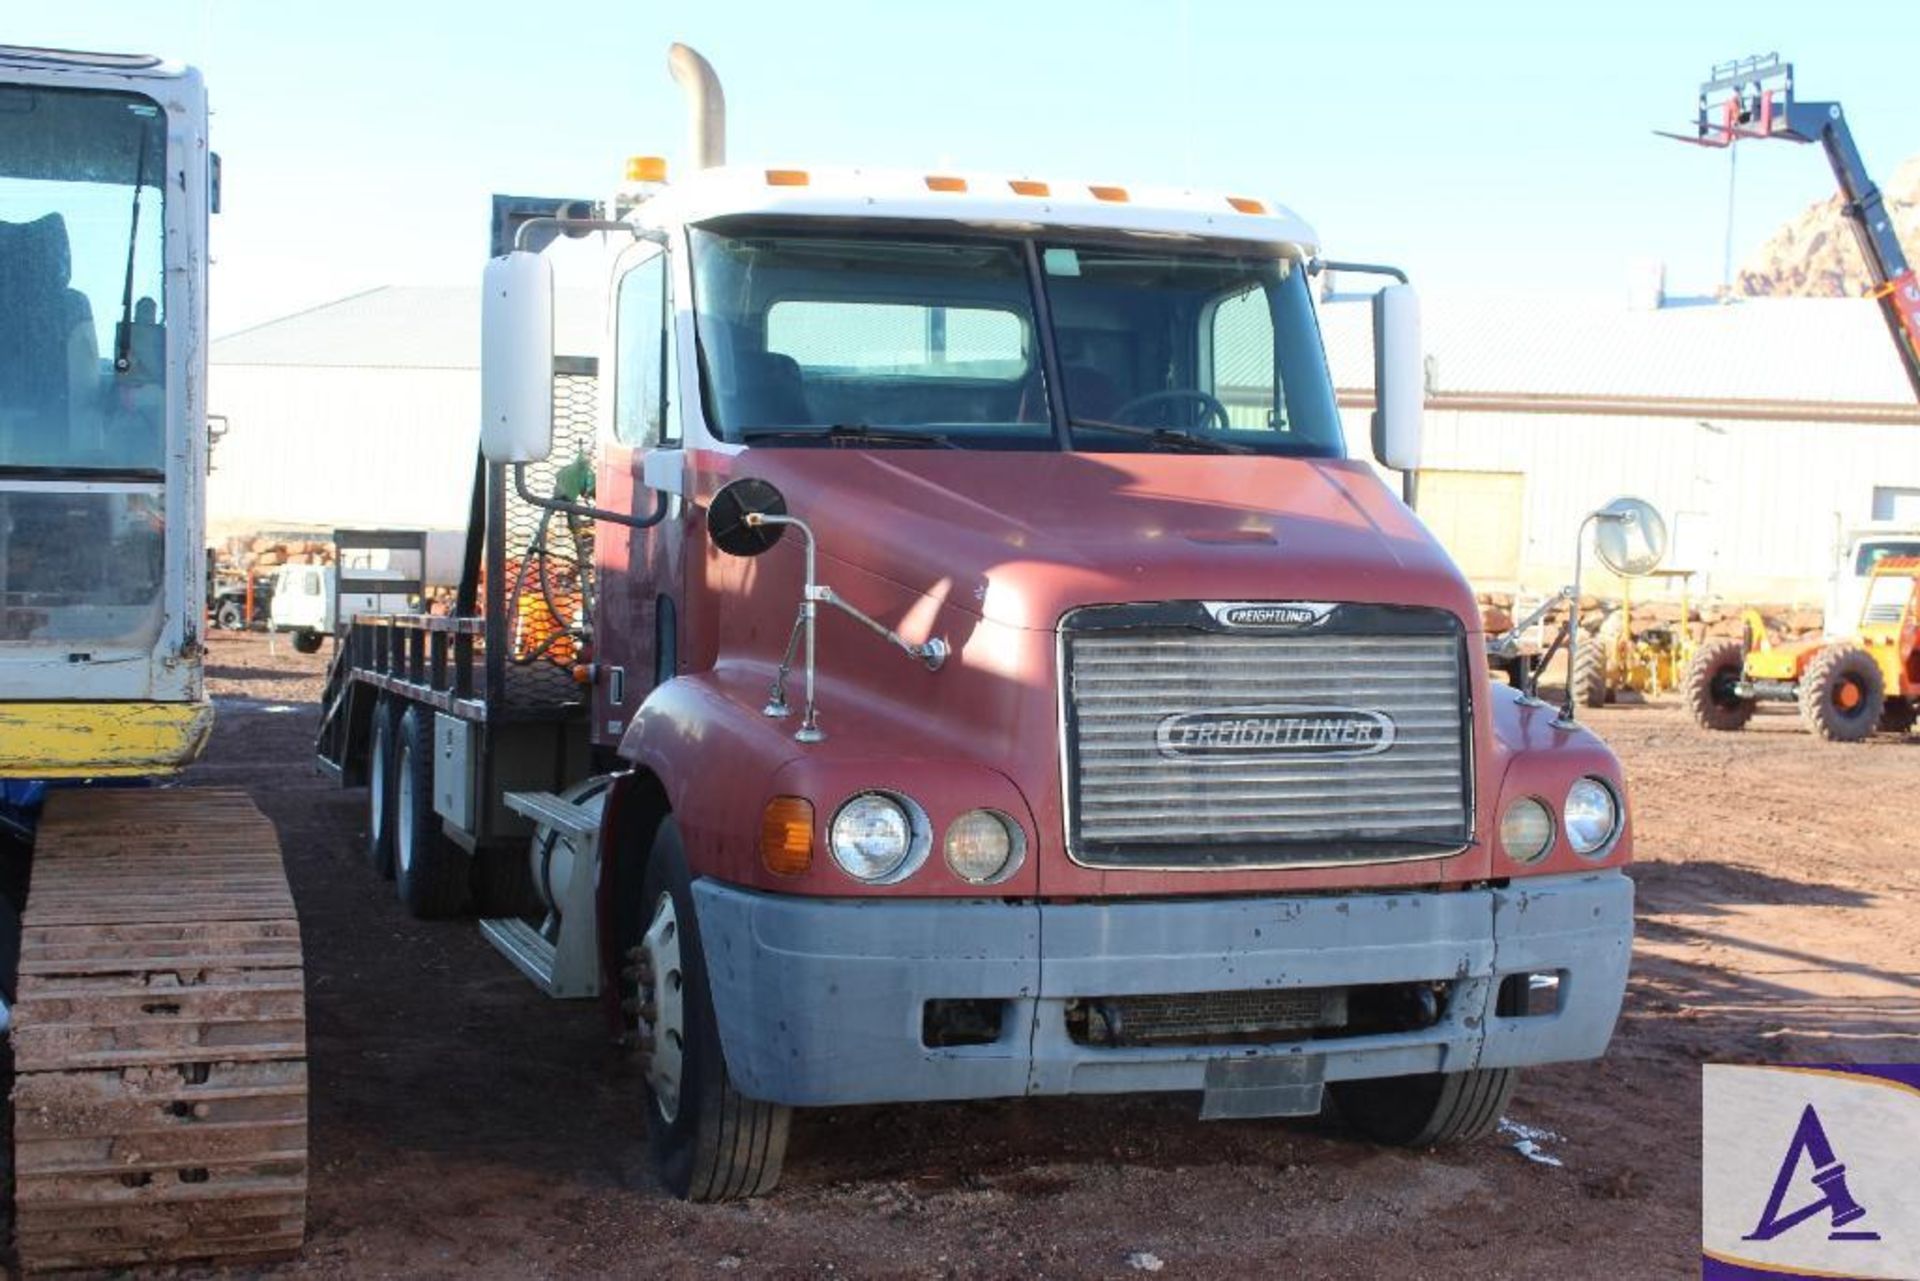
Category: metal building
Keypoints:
(1763, 428)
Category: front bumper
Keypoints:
(821, 1001)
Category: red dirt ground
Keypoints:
(464, 1125)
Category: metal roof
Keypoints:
(393, 327)
(1781, 350)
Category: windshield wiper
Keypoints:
(1167, 437)
(123, 332)
(841, 434)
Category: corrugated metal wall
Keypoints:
(322, 447)
(1756, 507)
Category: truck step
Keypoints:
(556, 812)
(520, 943)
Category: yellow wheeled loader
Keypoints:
(1845, 689)
(1651, 661)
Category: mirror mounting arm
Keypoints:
(581, 225)
(1317, 265)
(654, 517)
(932, 652)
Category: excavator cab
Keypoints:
(100, 467)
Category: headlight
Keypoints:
(1592, 816)
(1526, 830)
(984, 846)
(875, 834)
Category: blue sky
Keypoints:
(1483, 146)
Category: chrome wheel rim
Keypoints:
(377, 785)
(403, 807)
(663, 1007)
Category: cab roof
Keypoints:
(987, 201)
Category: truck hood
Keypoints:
(1021, 538)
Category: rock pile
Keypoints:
(1814, 254)
(1711, 619)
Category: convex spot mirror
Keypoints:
(516, 359)
(1630, 537)
(727, 516)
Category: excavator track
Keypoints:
(160, 1089)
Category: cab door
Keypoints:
(637, 632)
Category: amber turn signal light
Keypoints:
(786, 835)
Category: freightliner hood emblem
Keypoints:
(1293, 614)
(1274, 733)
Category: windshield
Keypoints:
(900, 340)
(82, 368)
(82, 308)
(1871, 554)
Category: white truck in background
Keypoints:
(388, 572)
(1861, 549)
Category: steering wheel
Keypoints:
(1212, 410)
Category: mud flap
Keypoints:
(1240, 1089)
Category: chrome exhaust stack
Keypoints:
(706, 106)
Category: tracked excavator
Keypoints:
(152, 971)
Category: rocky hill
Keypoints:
(1814, 256)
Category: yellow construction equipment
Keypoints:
(1647, 661)
(157, 1009)
(1845, 689)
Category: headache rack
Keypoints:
(512, 647)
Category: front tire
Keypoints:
(1590, 675)
(707, 1140)
(230, 617)
(429, 871)
(1709, 686)
(1433, 1108)
(1842, 694)
(307, 642)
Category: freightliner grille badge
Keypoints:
(1273, 733)
(1292, 615)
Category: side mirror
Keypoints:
(727, 517)
(1399, 378)
(1630, 537)
(516, 359)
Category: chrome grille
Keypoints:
(1189, 744)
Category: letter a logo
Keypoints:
(1828, 1174)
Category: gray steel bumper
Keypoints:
(820, 1001)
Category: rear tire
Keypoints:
(1590, 675)
(429, 871)
(230, 617)
(1842, 694)
(1708, 686)
(380, 785)
(307, 642)
(707, 1140)
(1433, 1108)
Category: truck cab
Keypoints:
(1008, 684)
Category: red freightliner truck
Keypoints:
(939, 647)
